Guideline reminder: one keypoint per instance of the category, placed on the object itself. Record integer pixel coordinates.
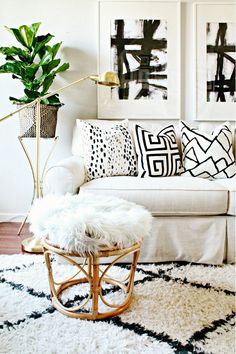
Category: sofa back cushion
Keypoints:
(208, 155)
(77, 141)
(107, 152)
(158, 154)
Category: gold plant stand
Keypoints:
(90, 308)
(32, 244)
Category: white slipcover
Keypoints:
(165, 195)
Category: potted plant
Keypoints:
(35, 65)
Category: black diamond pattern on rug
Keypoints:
(177, 308)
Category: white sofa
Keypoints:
(193, 218)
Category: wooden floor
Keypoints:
(10, 242)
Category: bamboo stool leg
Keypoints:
(90, 262)
(95, 286)
(91, 275)
(132, 271)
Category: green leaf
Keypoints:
(51, 65)
(17, 35)
(15, 77)
(13, 51)
(31, 94)
(55, 49)
(12, 68)
(30, 71)
(9, 57)
(34, 27)
(24, 34)
(35, 85)
(13, 98)
(46, 59)
(53, 101)
(48, 82)
(61, 68)
(23, 99)
(41, 52)
(27, 84)
(40, 42)
(27, 35)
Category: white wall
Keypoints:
(75, 23)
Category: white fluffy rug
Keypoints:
(84, 222)
(177, 308)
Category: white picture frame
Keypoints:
(207, 18)
(109, 104)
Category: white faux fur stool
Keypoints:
(91, 227)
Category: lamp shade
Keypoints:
(108, 78)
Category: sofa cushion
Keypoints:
(108, 152)
(230, 185)
(166, 195)
(208, 155)
(77, 145)
(158, 154)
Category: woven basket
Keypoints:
(27, 118)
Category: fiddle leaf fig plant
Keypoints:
(34, 64)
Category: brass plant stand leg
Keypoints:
(40, 182)
(89, 308)
(32, 244)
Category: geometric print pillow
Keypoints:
(158, 154)
(208, 155)
(108, 151)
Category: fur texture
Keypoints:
(85, 222)
(176, 308)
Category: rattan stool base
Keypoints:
(95, 277)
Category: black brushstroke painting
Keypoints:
(221, 62)
(139, 56)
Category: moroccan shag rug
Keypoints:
(177, 308)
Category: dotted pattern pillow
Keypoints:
(108, 152)
(158, 154)
(208, 155)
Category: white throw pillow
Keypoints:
(108, 152)
(208, 155)
(158, 154)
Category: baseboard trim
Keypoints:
(12, 217)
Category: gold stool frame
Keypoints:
(94, 276)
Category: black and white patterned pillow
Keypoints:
(208, 155)
(158, 154)
(108, 152)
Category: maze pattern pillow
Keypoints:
(158, 154)
(108, 152)
(208, 155)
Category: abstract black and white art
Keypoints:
(139, 56)
(140, 43)
(221, 55)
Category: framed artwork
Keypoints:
(215, 36)
(140, 41)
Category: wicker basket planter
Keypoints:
(27, 118)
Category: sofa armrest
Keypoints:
(66, 176)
